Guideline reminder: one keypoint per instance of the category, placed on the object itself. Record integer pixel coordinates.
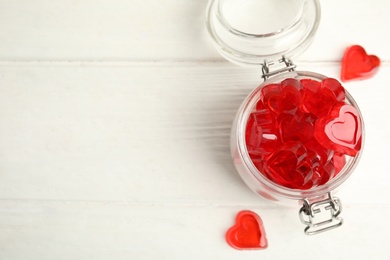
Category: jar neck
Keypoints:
(249, 32)
(260, 18)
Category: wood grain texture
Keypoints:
(144, 132)
(163, 30)
(114, 134)
(78, 230)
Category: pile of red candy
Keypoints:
(300, 132)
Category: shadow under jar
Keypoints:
(298, 136)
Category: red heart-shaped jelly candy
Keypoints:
(282, 98)
(296, 128)
(324, 173)
(339, 162)
(248, 232)
(316, 149)
(261, 132)
(320, 97)
(281, 167)
(333, 87)
(341, 131)
(356, 64)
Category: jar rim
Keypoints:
(237, 31)
(248, 48)
(242, 117)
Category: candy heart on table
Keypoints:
(341, 131)
(356, 64)
(248, 232)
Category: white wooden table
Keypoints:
(114, 134)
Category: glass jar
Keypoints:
(248, 32)
(268, 34)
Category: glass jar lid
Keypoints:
(250, 32)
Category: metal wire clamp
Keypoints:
(322, 215)
(289, 66)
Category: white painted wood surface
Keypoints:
(114, 135)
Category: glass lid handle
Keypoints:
(322, 215)
(283, 65)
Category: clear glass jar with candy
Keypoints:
(298, 136)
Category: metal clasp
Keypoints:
(322, 215)
(289, 66)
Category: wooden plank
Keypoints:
(150, 132)
(87, 230)
(101, 30)
(114, 134)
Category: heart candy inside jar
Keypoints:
(301, 132)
